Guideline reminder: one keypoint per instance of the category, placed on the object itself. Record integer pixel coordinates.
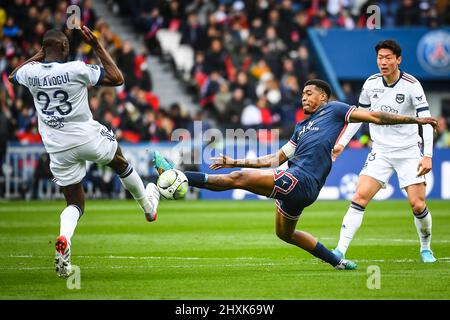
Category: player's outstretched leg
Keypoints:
(261, 182)
(74, 195)
(146, 197)
(256, 181)
(285, 229)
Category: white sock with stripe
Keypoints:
(133, 183)
(423, 224)
(350, 224)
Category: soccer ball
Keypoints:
(172, 184)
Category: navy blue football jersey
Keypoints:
(314, 139)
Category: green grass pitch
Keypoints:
(217, 250)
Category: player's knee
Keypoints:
(285, 236)
(76, 200)
(236, 178)
(417, 205)
(360, 198)
(119, 164)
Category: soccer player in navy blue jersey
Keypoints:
(308, 153)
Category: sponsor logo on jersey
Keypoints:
(388, 109)
(419, 98)
(54, 122)
(308, 127)
(93, 66)
(433, 52)
(400, 98)
(375, 96)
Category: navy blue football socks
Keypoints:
(196, 179)
(321, 252)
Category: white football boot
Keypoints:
(62, 257)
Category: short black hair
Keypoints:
(322, 85)
(391, 45)
(53, 39)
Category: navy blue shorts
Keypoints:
(293, 193)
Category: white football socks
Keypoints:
(350, 224)
(133, 183)
(68, 221)
(423, 225)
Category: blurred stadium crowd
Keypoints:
(251, 59)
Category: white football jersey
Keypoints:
(406, 97)
(61, 99)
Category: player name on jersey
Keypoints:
(48, 81)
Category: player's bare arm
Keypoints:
(271, 160)
(385, 118)
(113, 76)
(39, 56)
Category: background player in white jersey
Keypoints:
(395, 148)
(70, 135)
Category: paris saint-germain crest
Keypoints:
(433, 52)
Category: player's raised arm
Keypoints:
(270, 160)
(39, 56)
(387, 118)
(113, 76)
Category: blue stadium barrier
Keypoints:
(340, 183)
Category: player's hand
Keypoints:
(221, 162)
(89, 37)
(425, 165)
(428, 120)
(40, 55)
(337, 150)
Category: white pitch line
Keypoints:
(179, 258)
(385, 240)
(311, 262)
(20, 256)
(123, 207)
(53, 208)
(165, 266)
(441, 259)
(144, 257)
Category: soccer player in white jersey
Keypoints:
(395, 148)
(70, 135)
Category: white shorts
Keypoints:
(69, 166)
(381, 166)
